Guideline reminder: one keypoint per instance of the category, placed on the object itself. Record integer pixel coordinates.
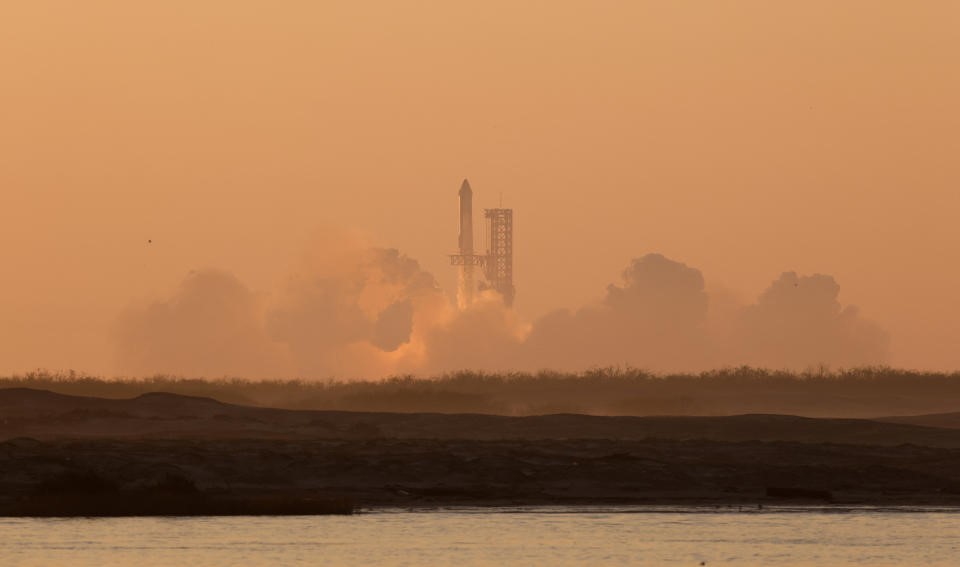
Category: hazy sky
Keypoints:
(745, 139)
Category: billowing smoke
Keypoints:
(655, 319)
(394, 326)
(798, 321)
(211, 326)
(350, 310)
(486, 336)
(356, 313)
(347, 310)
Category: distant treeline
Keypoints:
(858, 392)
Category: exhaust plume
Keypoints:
(350, 310)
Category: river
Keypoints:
(521, 536)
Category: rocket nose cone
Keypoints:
(465, 188)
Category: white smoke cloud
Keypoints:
(211, 326)
(798, 321)
(654, 319)
(351, 310)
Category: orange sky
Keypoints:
(741, 138)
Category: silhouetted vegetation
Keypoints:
(867, 392)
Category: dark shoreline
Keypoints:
(173, 455)
(271, 477)
(240, 509)
(671, 508)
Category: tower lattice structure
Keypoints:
(498, 264)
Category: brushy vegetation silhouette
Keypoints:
(856, 392)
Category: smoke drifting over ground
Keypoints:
(211, 326)
(798, 320)
(655, 318)
(359, 312)
(350, 310)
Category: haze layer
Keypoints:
(742, 140)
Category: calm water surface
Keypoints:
(536, 536)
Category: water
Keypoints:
(463, 537)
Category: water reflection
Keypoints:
(515, 536)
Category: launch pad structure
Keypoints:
(497, 263)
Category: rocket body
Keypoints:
(466, 284)
(466, 218)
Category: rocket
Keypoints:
(497, 263)
(466, 284)
(466, 219)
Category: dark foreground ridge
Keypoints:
(163, 454)
(45, 415)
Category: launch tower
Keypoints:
(497, 263)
